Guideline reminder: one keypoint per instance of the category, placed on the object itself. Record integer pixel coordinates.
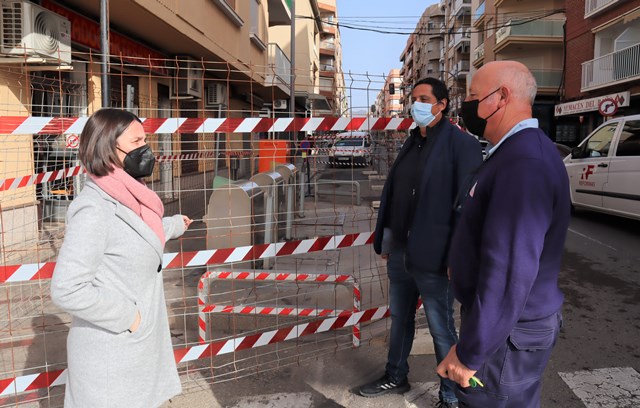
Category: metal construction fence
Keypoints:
(283, 209)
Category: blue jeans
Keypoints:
(406, 285)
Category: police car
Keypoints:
(604, 170)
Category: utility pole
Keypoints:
(292, 87)
(104, 48)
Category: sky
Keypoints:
(372, 52)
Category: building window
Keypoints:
(256, 25)
(229, 9)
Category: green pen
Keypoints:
(474, 381)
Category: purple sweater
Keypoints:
(506, 251)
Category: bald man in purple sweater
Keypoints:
(506, 251)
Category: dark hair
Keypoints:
(97, 150)
(438, 88)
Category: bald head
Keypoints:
(512, 74)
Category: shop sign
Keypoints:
(592, 104)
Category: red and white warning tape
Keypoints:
(18, 125)
(25, 181)
(44, 270)
(32, 382)
(11, 386)
(204, 307)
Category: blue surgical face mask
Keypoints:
(421, 113)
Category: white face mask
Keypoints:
(421, 113)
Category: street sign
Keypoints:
(607, 107)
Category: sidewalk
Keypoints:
(327, 381)
(325, 377)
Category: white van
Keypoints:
(351, 148)
(604, 170)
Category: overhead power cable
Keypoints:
(496, 26)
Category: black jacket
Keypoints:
(453, 158)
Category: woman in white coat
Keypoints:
(108, 273)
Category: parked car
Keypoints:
(604, 170)
(351, 148)
(563, 150)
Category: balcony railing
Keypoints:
(617, 67)
(478, 52)
(546, 78)
(328, 45)
(538, 28)
(279, 68)
(478, 14)
(463, 34)
(462, 67)
(592, 7)
(460, 6)
(327, 67)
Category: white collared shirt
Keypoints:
(525, 124)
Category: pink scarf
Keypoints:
(136, 196)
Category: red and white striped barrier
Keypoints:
(18, 125)
(44, 270)
(204, 307)
(262, 339)
(273, 311)
(11, 386)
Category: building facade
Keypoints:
(456, 50)
(603, 46)
(389, 99)
(513, 30)
(423, 54)
(216, 59)
(332, 85)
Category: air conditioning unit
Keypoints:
(33, 31)
(187, 83)
(216, 94)
(280, 104)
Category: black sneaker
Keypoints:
(385, 385)
(444, 404)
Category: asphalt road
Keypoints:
(600, 278)
(601, 281)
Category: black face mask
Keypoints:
(469, 112)
(139, 162)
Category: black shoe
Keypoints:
(444, 404)
(385, 385)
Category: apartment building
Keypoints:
(332, 85)
(309, 93)
(408, 72)
(456, 51)
(215, 58)
(531, 33)
(422, 55)
(602, 68)
(389, 99)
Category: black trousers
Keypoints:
(512, 376)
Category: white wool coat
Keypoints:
(108, 269)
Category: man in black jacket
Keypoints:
(414, 227)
